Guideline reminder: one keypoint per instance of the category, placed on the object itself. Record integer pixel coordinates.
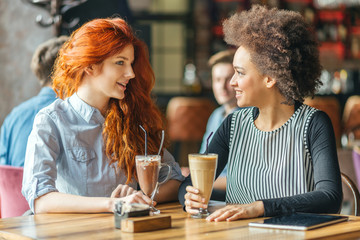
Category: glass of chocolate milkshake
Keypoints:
(202, 172)
(147, 169)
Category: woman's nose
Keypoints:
(233, 81)
(130, 73)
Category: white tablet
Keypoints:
(299, 221)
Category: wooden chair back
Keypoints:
(331, 106)
(354, 190)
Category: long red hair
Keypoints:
(92, 43)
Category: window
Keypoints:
(165, 25)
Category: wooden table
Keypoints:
(101, 226)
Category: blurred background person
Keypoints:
(18, 124)
(221, 73)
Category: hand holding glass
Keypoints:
(147, 169)
(202, 171)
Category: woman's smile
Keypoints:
(122, 85)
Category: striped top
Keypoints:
(262, 165)
(291, 169)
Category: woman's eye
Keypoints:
(240, 73)
(120, 62)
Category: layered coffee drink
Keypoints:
(202, 171)
(147, 169)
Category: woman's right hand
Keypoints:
(130, 195)
(137, 197)
(193, 201)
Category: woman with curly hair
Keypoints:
(281, 153)
(81, 153)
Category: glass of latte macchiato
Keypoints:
(202, 171)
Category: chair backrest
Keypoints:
(354, 190)
(187, 117)
(331, 106)
(12, 202)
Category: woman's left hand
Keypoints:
(234, 212)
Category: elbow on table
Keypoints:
(339, 202)
(41, 204)
(40, 207)
(335, 204)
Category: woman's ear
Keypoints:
(269, 82)
(91, 69)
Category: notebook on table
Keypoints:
(299, 221)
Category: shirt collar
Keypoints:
(235, 109)
(86, 111)
(222, 109)
(47, 91)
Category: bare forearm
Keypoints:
(220, 183)
(60, 202)
(168, 191)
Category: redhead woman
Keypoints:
(81, 152)
(281, 153)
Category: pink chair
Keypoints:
(12, 202)
(356, 161)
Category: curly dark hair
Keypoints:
(281, 45)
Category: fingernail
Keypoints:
(203, 199)
(204, 206)
(196, 190)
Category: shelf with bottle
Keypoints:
(355, 43)
(339, 25)
(299, 1)
(220, 10)
(334, 32)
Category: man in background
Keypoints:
(221, 73)
(18, 124)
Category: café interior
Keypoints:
(181, 35)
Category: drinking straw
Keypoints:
(207, 143)
(162, 141)
(145, 139)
